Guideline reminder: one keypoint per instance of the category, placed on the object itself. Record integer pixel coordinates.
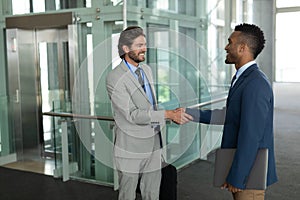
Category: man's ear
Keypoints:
(125, 49)
(242, 47)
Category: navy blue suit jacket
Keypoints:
(248, 124)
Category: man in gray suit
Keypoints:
(137, 145)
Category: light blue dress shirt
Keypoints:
(146, 82)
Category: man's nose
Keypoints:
(144, 48)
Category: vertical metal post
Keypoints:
(65, 152)
(31, 6)
(124, 14)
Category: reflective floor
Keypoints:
(38, 166)
(34, 161)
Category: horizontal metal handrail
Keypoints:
(64, 114)
(206, 103)
(107, 118)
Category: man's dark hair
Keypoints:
(253, 36)
(127, 36)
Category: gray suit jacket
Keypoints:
(135, 118)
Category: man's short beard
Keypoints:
(135, 58)
(227, 62)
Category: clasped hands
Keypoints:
(178, 116)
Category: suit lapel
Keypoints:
(133, 79)
(241, 80)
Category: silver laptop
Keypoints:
(258, 175)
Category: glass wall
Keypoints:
(173, 58)
(219, 74)
(186, 41)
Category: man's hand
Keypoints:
(178, 116)
(230, 188)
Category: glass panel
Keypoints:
(89, 149)
(182, 7)
(287, 68)
(65, 4)
(120, 2)
(285, 3)
(1, 131)
(37, 6)
(162, 62)
(220, 10)
(46, 93)
(90, 139)
(218, 74)
(103, 138)
(158, 4)
(187, 7)
(54, 76)
(173, 58)
(6, 144)
(88, 3)
(20, 6)
(23, 6)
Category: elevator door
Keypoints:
(39, 81)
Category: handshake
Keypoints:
(178, 116)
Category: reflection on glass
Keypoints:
(287, 3)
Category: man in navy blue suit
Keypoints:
(248, 115)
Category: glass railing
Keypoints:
(82, 144)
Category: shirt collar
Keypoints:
(243, 68)
(130, 66)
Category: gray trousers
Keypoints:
(148, 170)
